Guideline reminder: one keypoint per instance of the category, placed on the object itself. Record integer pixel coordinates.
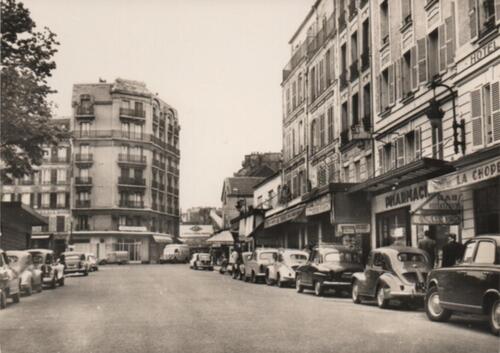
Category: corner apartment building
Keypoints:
(126, 169)
(48, 191)
(437, 120)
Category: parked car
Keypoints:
(75, 262)
(115, 257)
(255, 267)
(10, 284)
(282, 272)
(473, 286)
(393, 272)
(245, 257)
(201, 261)
(52, 270)
(175, 253)
(329, 267)
(22, 263)
(92, 261)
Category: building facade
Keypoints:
(126, 169)
(48, 191)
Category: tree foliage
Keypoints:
(27, 63)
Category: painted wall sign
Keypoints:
(320, 205)
(133, 228)
(436, 219)
(478, 55)
(345, 229)
(406, 195)
(483, 171)
(284, 217)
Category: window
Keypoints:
(469, 252)
(406, 12)
(433, 54)
(487, 210)
(354, 47)
(437, 141)
(354, 110)
(313, 84)
(85, 128)
(60, 223)
(301, 136)
(345, 122)
(367, 107)
(314, 135)
(62, 154)
(25, 198)
(384, 23)
(369, 166)
(346, 174)
(328, 64)
(481, 17)
(61, 200)
(343, 52)
(357, 171)
(61, 176)
(322, 130)
(293, 142)
(384, 90)
(485, 253)
(45, 200)
(294, 95)
(366, 44)
(299, 89)
(321, 76)
(330, 124)
(405, 83)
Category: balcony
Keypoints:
(86, 158)
(135, 114)
(173, 170)
(358, 132)
(131, 204)
(58, 159)
(354, 71)
(85, 112)
(131, 159)
(82, 203)
(344, 137)
(127, 181)
(343, 79)
(367, 122)
(170, 189)
(157, 185)
(154, 206)
(25, 182)
(365, 61)
(82, 227)
(83, 181)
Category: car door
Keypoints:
(374, 272)
(480, 275)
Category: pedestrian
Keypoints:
(429, 246)
(452, 251)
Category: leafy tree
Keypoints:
(25, 108)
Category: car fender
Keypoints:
(285, 271)
(25, 278)
(271, 270)
(488, 298)
(358, 276)
(389, 279)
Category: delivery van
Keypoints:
(175, 253)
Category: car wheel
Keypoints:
(235, 275)
(355, 293)
(495, 317)
(3, 300)
(318, 288)
(86, 273)
(241, 276)
(16, 297)
(253, 278)
(278, 281)
(433, 308)
(61, 281)
(382, 302)
(53, 283)
(40, 287)
(269, 281)
(298, 285)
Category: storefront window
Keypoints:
(487, 210)
(394, 226)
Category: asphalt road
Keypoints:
(169, 308)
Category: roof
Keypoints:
(43, 251)
(11, 211)
(240, 186)
(304, 21)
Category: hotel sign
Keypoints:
(479, 54)
(483, 171)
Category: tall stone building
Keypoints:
(126, 169)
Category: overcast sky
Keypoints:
(217, 62)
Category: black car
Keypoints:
(473, 286)
(329, 267)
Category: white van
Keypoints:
(175, 253)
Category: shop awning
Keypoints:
(41, 236)
(163, 239)
(223, 238)
(410, 173)
(466, 176)
(295, 214)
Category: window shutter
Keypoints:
(381, 160)
(422, 60)
(473, 19)
(399, 81)
(393, 154)
(391, 87)
(400, 152)
(414, 68)
(495, 110)
(477, 118)
(418, 144)
(497, 11)
(378, 96)
(405, 6)
(450, 39)
(442, 48)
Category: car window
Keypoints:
(316, 257)
(469, 252)
(378, 260)
(298, 257)
(485, 253)
(411, 257)
(48, 260)
(333, 256)
(13, 259)
(267, 256)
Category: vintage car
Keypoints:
(473, 286)
(245, 256)
(393, 272)
(115, 257)
(255, 267)
(75, 262)
(52, 271)
(282, 272)
(22, 263)
(201, 261)
(330, 266)
(175, 253)
(92, 260)
(10, 285)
